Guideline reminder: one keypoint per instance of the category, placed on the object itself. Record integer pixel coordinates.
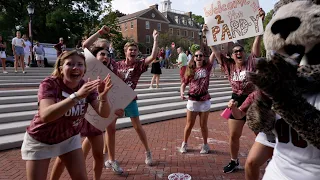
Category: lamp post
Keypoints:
(30, 9)
(200, 34)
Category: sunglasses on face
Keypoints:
(237, 51)
(198, 55)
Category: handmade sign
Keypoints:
(119, 96)
(231, 20)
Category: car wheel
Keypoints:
(9, 64)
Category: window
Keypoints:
(125, 26)
(148, 51)
(147, 25)
(176, 18)
(192, 34)
(184, 21)
(147, 38)
(190, 21)
(222, 47)
(131, 25)
(185, 33)
(159, 26)
(171, 31)
(178, 32)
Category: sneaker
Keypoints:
(5, 72)
(114, 165)
(205, 149)
(231, 166)
(150, 87)
(183, 148)
(24, 72)
(148, 160)
(15, 71)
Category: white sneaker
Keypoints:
(5, 72)
(148, 160)
(150, 87)
(114, 165)
(183, 148)
(205, 149)
(24, 72)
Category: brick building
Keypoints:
(139, 25)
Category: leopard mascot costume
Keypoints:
(289, 102)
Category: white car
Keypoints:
(51, 54)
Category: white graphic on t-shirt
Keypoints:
(128, 75)
(77, 122)
(202, 73)
(78, 109)
(239, 76)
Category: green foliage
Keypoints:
(194, 48)
(165, 39)
(52, 19)
(198, 19)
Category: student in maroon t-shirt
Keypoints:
(60, 47)
(63, 99)
(237, 69)
(262, 149)
(132, 70)
(94, 137)
(197, 76)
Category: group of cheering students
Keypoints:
(63, 98)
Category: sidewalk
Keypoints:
(165, 140)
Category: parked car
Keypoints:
(51, 54)
(9, 61)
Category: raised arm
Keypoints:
(256, 46)
(88, 42)
(154, 53)
(215, 52)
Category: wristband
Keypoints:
(74, 97)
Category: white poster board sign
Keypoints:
(231, 20)
(119, 96)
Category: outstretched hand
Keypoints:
(262, 14)
(105, 85)
(119, 112)
(104, 30)
(155, 35)
(87, 88)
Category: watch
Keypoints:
(74, 97)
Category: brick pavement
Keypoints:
(165, 139)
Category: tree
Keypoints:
(52, 18)
(198, 19)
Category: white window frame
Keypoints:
(125, 26)
(148, 39)
(184, 21)
(176, 18)
(147, 25)
(148, 50)
(178, 32)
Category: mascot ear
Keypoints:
(285, 26)
(316, 2)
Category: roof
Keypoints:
(134, 15)
(171, 17)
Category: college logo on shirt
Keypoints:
(239, 76)
(202, 73)
(128, 76)
(78, 109)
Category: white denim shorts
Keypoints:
(39, 57)
(262, 139)
(32, 149)
(198, 106)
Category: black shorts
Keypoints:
(240, 99)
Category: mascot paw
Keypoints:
(274, 77)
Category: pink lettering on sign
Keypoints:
(215, 31)
(254, 6)
(221, 7)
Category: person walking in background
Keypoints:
(189, 55)
(18, 52)
(156, 71)
(60, 47)
(182, 62)
(111, 51)
(3, 55)
(39, 52)
(198, 77)
(162, 56)
(27, 50)
(167, 57)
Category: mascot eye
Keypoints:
(285, 26)
(316, 15)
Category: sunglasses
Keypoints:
(238, 51)
(198, 55)
(104, 54)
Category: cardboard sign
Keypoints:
(119, 96)
(231, 20)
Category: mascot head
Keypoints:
(295, 29)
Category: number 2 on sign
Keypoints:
(218, 18)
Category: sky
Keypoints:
(195, 6)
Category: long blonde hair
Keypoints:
(61, 59)
(192, 66)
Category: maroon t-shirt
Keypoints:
(161, 54)
(238, 77)
(58, 48)
(199, 84)
(132, 72)
(249, 100)
(66, 126)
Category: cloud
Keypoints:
(129, 7)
